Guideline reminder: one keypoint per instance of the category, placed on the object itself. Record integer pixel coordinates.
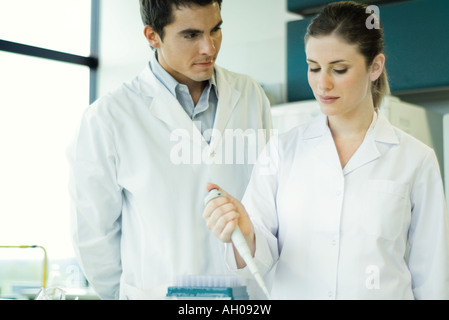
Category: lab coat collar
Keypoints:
(319, 136)
(163, 104)
(317, 127)
(165, 107)
(228, 97)
(382, 132)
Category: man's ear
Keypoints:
(377, 67)
(152, 36)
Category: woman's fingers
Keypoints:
(221, 218)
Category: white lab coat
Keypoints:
(137, 203)
(343, 234)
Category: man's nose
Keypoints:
(208, 46)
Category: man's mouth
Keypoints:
(206, 63)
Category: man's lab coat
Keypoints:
(139, 167)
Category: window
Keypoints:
(47, 78)
(60, 25)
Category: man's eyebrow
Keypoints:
(190, 31)
(218, 25)
(333, 62)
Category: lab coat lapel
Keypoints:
(319, 137)
(227, 100)
(382, 134)
(366, 153)
(167, 108)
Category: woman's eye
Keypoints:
(315, 69)
(342, 71)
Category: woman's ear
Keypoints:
(152, 37)
(377, 67)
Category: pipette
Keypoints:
(242, 247)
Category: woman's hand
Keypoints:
(223, 214)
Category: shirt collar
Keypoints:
(163, 76)
(169, 82)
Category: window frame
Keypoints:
(91, 61)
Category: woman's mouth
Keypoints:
(328, 99)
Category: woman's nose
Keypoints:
(325, 82)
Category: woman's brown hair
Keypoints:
(353, 22)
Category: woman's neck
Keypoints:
(349, 131)
(352, 124)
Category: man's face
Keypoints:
(191, 43)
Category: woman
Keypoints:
(348, 206)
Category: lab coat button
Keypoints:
(338, 193)
(330, 294)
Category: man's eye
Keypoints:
(191, 36)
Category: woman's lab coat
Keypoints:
(378, 229)
(139, 167)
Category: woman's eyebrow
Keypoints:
(333, 62)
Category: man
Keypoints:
(145, 151)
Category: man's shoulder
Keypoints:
(119, 102)
(234, 79)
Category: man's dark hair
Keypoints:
(159, 13)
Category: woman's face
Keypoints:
(339, 76)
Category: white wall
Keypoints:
(254, 42)
(123, 48)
